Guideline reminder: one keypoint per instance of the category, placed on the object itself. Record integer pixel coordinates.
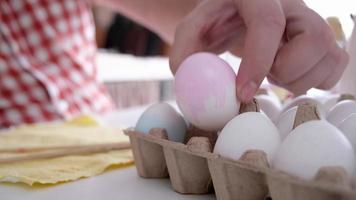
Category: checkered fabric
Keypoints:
(47, 62)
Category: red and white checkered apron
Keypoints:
(47, 62)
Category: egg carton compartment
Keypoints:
(194, 169)
(237, 180)
(188, 165)
(285, 187)
(148, 153)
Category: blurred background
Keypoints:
(338, 8)
(133, 62)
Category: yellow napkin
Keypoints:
(82, 130)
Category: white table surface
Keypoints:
(120, 184)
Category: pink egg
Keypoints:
(206, 92)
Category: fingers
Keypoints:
(209, 27)
(265, 24)
(323, 75)
(311, 39)
(185, 43)
(339, 69)
(313, 78)
(310, 57)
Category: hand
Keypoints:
(282, 40)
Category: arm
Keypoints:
(161, 16)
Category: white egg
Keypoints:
(163, 115)
(275, 98)
(301, 100)
(313, 145)
(348, 127)
(340, 111)
(247, 131)
(329, 101)
(269, 106)
(285, 122)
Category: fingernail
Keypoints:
(247, 92)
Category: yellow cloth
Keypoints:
(83, 130)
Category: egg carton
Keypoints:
(194, 169)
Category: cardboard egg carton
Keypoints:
(194, 169)
(282, 186)
(148, 154)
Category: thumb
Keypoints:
(265, 23)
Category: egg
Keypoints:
(285, 122)
(301, 100)
(163, 115)
(329, 101)
(348, 127)
(269, 106)
(313, 145)
(248, 131)
(340, 111)
(295, 116)
(205, 91)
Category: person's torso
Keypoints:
(47, 61)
